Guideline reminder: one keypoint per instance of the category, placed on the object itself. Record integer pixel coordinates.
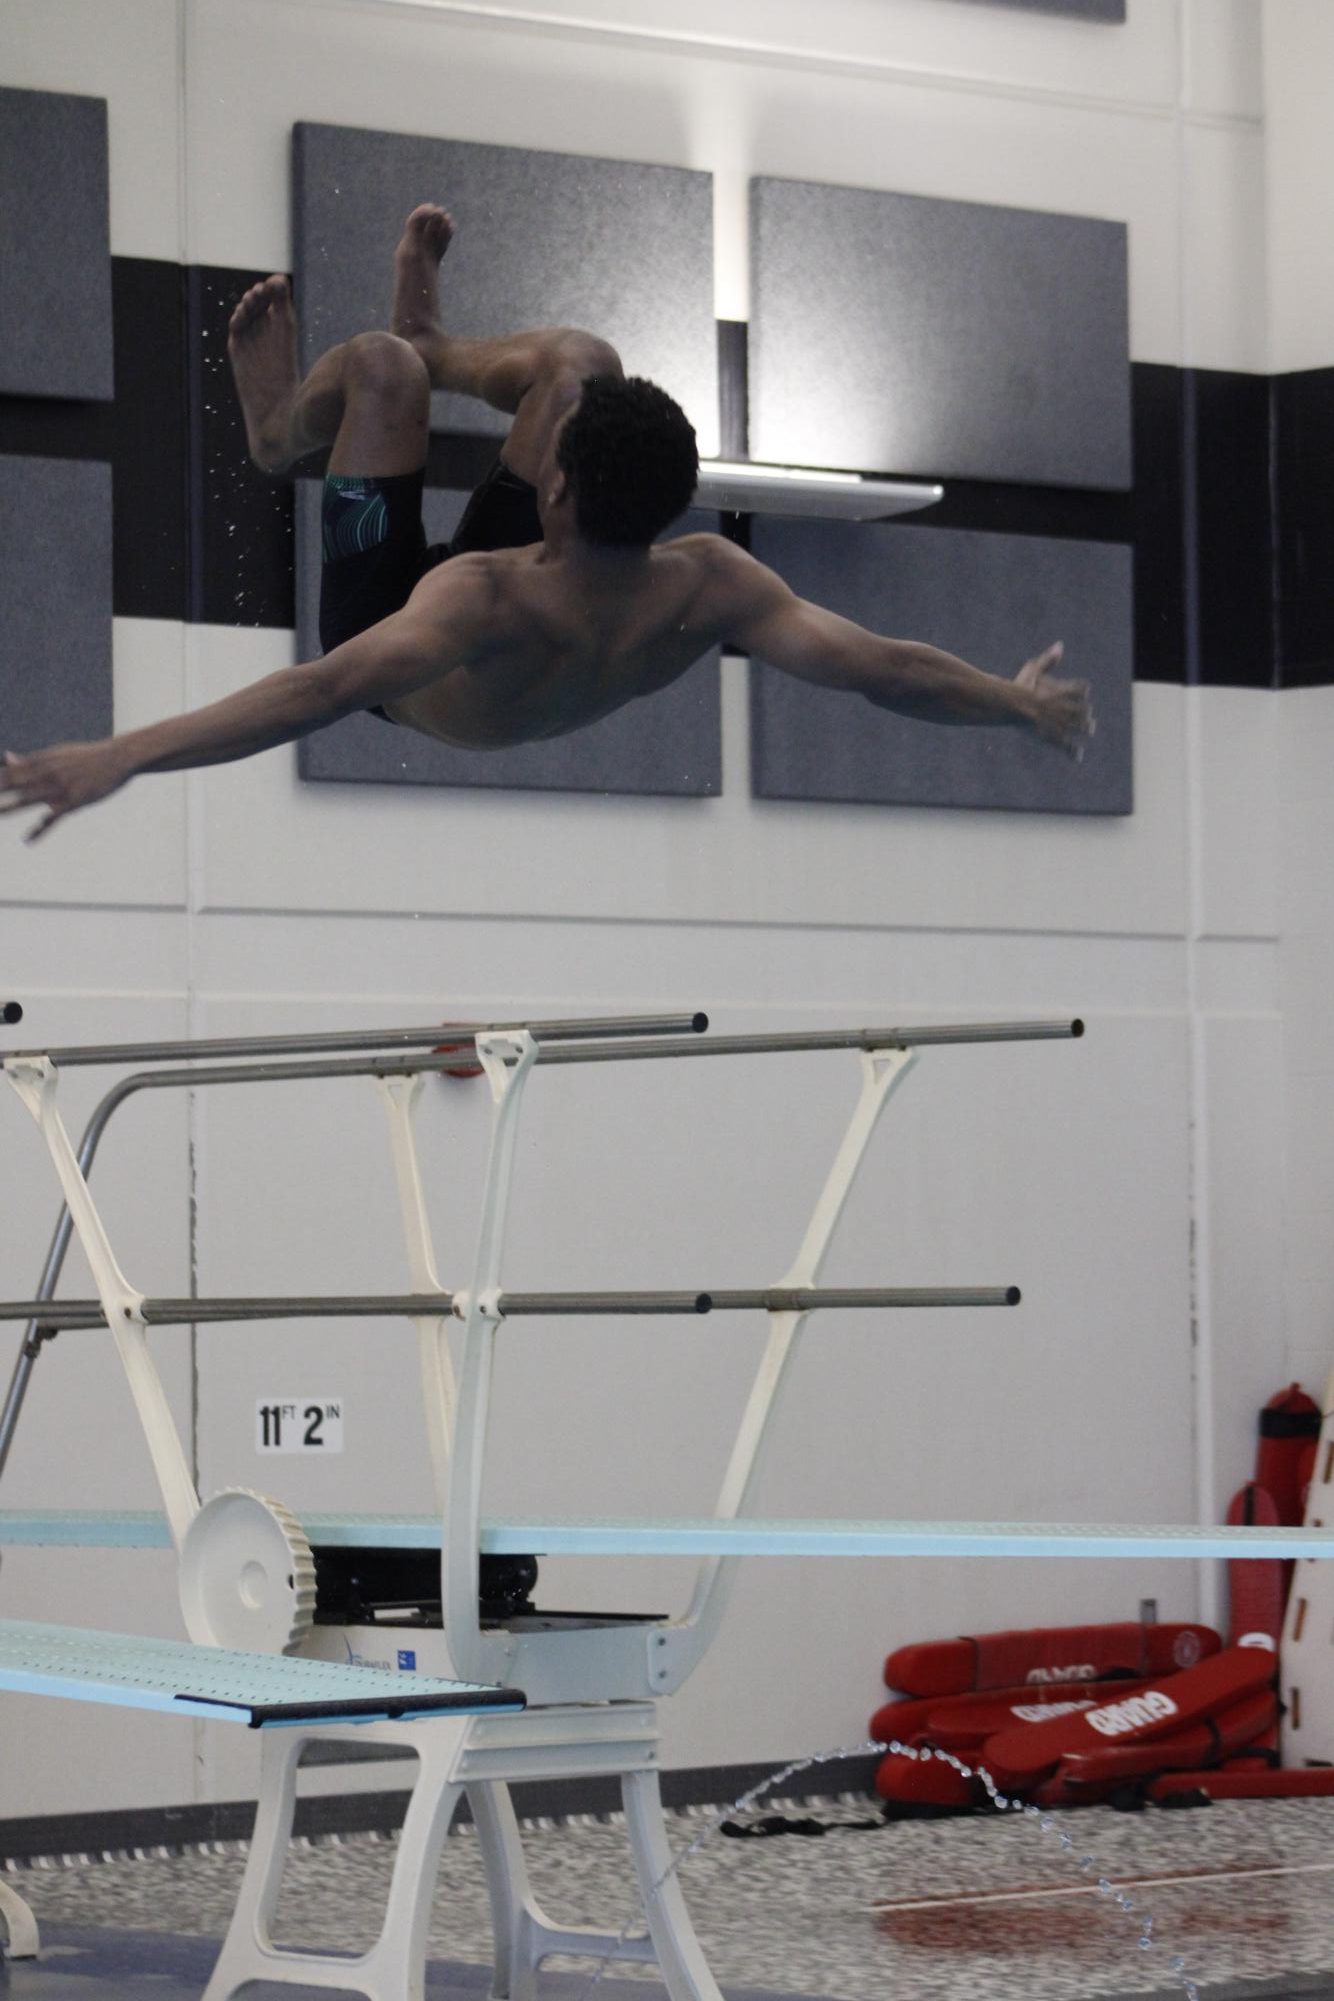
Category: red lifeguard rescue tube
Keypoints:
(925, 1783)
(1289, 1431)
(1027, 1755)
(1256, 1587)
(1200, 1746)
(957, 1722)
(1047, 1654)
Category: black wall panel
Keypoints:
(1234, 643)
(1303, 433)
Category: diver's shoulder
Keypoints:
(712, 562)
(726, 576)
(699, 547)
(488, 578)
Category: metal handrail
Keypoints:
(43, 1325)
(869, 1039)
(40, 1328)
(87, 1054)
(271, 1072)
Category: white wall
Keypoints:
(1298, 46)
(1128, 1183)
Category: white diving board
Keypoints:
(706, 1536)
(264, 1691)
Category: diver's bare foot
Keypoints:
(426, 237)
(261, 345)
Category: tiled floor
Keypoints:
(918, 1911)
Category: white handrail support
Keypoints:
(507, 1059)
(35, 1080)
(883, 1070)
(16, 1915)
(401, 1096)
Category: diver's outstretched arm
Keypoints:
(435, 633)
(764, 618)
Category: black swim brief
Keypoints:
(375, 549)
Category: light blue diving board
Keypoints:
(706, 1536)
(750, 1537)
(265, 1691)
(77, 1528)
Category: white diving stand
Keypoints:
(292, 1701)
(592, 1686)
(23, 1941)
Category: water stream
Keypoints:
(1045, 1823)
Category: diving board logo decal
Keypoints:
(299, 1424)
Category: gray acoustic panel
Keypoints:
(55, 247)
(543, 239)
(995, 600)
(669, 744)
(55, 601)
(896, 334)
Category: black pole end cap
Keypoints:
(11, 1012)
(1076, 1027)
(1012, 1295)
(703, 1302)
(699, 1022)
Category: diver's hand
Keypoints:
(1061, 712)
(62, 779)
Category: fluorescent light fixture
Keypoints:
(737, 486)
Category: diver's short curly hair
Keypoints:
(630, 456)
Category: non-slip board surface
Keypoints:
(138, 1671)
(55, 247)
(669, 744)
(995, 600)
(55, 600)
(543, 239)
(895, 334)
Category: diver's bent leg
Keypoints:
(502, 370)
(384, 406)
(374, 386)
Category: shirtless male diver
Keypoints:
(554, 606)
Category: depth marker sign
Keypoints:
(299, 1424)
